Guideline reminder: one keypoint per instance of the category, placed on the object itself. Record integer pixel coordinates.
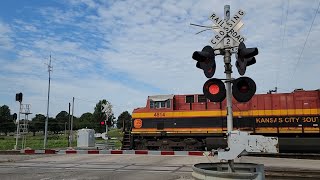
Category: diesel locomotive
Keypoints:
(192, 122)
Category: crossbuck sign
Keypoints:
(229, 28)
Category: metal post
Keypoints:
(23, 130)
(27, 129)
(18, 129)
(71, 132)
(47, 118)
(106, 123)
(69, 126)
(228, 71)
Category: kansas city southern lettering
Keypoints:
(287, 120)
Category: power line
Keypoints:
(95, 102)
(283, 35)
(305, 42)
(91, 101)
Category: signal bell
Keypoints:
(206, 61)
(243, 89)
(214, 90)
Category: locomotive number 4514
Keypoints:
(159, 114)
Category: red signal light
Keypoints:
(243, 86)
(214, 89)
(243, 89)
(102, 123)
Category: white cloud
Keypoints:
(5, 36)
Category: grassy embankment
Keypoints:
(54, 141)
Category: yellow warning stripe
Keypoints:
(219, 113)
(219, 130)
(177, 130)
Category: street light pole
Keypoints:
(47, 118)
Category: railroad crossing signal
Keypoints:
(243, 89)
(227, 37)
(214, 90)
(14, 116)
(245, 57)
(229, 28)
(19, 97)
(206, 61)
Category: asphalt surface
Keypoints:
(122, 167)
(94, 167)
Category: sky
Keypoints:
(125, 51)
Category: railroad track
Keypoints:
(288, 155)
(296, 174)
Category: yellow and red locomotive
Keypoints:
(192, 122)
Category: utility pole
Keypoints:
(71, 132)
(47, 118)
(69, 126)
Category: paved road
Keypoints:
(94, 167)
(114, 167)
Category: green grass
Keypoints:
(34, 142)
(116, 133)
(7, 144)
(53, 141)
(118, 144)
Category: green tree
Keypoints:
(37, 123)
(6, 120)
(102, 109)
(124, 117)
(53, 125)
(62, 119)
(86, 121)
